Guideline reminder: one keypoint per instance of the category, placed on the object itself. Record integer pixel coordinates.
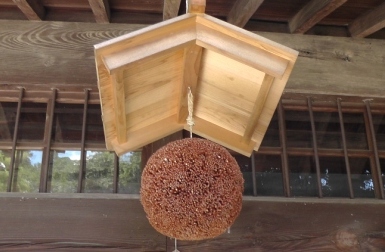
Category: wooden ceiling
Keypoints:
(356, 18)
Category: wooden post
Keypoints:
(196, 6)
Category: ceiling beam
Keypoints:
(368, 23)
(312, 13)
(242, 11)
(32, 9)
(170, 8)
(101, 10)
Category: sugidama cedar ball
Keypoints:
(191, 189)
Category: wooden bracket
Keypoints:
(196, 6)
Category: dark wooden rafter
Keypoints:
(312, 13)
(101, 10)
(170, 8)
(368, 23)
(32, 9)
(242, 11)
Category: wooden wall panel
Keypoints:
(101, 222)
(60, 54)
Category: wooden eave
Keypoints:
(237, 78)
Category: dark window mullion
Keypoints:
(14, 141)
(47, 141)
(315, 147)
(376, 173)
(82, 148)
(284, 157)
(343, 134)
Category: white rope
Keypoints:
(176, 250)
(190, 105)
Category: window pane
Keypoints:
(8, 112)
(245, 166)
(269, 175)
(271, 138)
(64, 172)
(94, 132)
(379, 128)
(99, 172)
(130, 172)
(334, 179)
(355, 131)
(328, 130)
(382, 164)
(5, 159)
(32, 122)
(298, 129)
(303, 177)
(67, 124)
(26, 175)
(362, 178)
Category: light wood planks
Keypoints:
(258, 107)
(242, 11)
(32, 9)
(170, 8)
(368, 23)
(196, 6)
(101, 10)
(313, 12)
(119, 106)
(191, 70)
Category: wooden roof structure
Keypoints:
(236, 77)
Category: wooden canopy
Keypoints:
(237, 78)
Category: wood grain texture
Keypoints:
(242, 11)
(101, 222)
(119, 106)
(32, 9)
(61, 54)
(170, 8)
(101, 10)
(313, 12)
(368, 23)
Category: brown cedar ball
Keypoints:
(192, 189)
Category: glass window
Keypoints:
(355, 131)
(303, 177)
(362, 180)
(298, 129)
(94, 132)
(379, 128)
(64, 171)
(8, 112)
(67, 123)
(32, 122)
(130, 172)
(5, 160)
(328, 130)
(334, 180)
(245, 166)
(269, 175)
(99, 172)
(26, 175)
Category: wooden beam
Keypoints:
(196, 6)
(258, 106)
(119, 106)
(32, 9)
(242, 11)
(170, 8)
(313, 12)
(101, 10)
(325, 66)
(368, 23)
(108, 222)
(192, 61)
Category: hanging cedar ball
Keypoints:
(192, 189)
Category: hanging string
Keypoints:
(176, 250)
(190, 105)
